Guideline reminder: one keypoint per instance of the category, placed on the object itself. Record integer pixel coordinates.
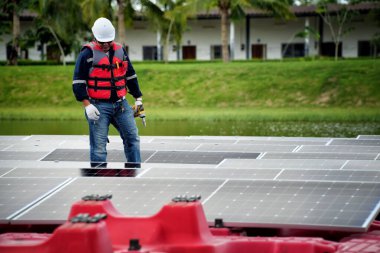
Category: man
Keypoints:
(103, 76)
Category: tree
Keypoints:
(169, 18)
(93, 9)
(63, 19)
(12, 9)
(235, 9)
(336, 16)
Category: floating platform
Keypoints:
(288, 194)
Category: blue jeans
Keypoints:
(119, 114)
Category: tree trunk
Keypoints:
(167, 40)
(16, 36)
(336, 50)
(224, 34)
(59, 44)
(121, 22)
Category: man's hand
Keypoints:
(138, 108)
(92, 112)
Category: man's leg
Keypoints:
(98, 134)
(126, 125)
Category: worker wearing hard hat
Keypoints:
(103, 76)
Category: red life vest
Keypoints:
(104, 76)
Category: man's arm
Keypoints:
(132, 82)
(81, 71)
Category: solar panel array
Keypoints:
(274, 182)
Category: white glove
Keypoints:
(138, 102)
(92, 112)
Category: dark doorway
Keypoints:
(189, 52)
(259, 51)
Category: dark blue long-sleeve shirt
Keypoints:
(81, 74)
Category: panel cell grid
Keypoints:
(131, 196)
(330, 175)
(279, 204)
(17, 193)
(335, 156)
(84, 155)
(349, 142)
(212, 173)
(196, 157)
(25, 155)
(283, 163)
(341, 149)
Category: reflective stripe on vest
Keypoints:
(105, 76)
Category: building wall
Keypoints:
(204, 34)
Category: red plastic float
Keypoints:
(95, 226)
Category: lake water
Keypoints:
(186, 128)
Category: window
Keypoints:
(365, 48)
(293, 50)
(149, 53)
(216, 52)
(328, 49)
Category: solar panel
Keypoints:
(237, 184)
(295, 204)
(246, 148)
(362, 165)
(137, 196)
(21, 155)
(350, 142)
(184, 146)
(196, 157)
(84, 155)
(72, 172)
(341, 149)
(330, 175)
(283, 163)
(283, 142)
(200, 173)
(304, 155)
(4, 171)
(193, 140)
(368, 137)
(20, 193)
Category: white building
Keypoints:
(258, 36)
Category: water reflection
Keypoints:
(217, 128)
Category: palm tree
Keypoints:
(93, 9)
(169, 18)
(62, 18)
(13, 8)
(235, 9)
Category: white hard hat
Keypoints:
(103, 30)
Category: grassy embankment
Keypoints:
(347, 90)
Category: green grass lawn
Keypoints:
(323, 90)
